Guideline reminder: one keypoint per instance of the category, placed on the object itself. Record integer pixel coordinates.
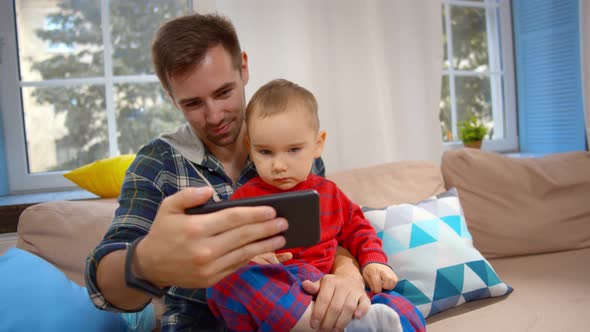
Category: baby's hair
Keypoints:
(276, 96)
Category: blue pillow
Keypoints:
(36, 296)
(430, 248)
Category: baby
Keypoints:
(284, 139)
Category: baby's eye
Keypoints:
(294, 150)
(265, 152)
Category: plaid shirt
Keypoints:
(158, 171)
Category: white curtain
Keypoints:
(585, 35)
(374, 66)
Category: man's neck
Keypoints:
(233, 157)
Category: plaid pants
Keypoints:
(271, 298)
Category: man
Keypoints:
(152, 245)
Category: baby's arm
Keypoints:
(360, 238)
(379, 277)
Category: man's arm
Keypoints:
(346, 265)
(213, 246)
(111, 280)
(341, 296)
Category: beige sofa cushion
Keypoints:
(391, 183)
(551, 293)
(517, 206)
(64, 232)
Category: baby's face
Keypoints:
(283, 147)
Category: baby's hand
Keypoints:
(379, 277)
(272, 258)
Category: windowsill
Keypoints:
(34, 198)
(507, 153)
(524, 154)
(494, 145)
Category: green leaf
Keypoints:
(472, 130)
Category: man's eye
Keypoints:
(192, 104)
(224, 93)
(265, 152)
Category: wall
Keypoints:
(378, 104)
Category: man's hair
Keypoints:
(278, 96)
(181, 44)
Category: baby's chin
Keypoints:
(283, 185)
(286, 187)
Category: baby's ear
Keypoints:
(319, 148)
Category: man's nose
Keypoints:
(213, 112)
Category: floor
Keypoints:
(7, 240)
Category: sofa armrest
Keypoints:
(64, 232)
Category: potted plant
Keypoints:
(472, 132)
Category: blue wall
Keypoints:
(548, 75)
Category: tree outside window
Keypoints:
(87, 82)
(473, 77)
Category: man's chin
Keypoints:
(224, 140)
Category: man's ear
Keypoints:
(319, 147)
(244, 68)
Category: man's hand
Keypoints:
(339, 299)
(196, 251)
(379, 277)
(272, 258)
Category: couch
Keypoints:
(530, 217)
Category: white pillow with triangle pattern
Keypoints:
(429, 247)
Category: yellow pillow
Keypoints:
(103, 177)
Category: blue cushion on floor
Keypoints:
(36, 296)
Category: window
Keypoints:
(478, 74)
(83, 87)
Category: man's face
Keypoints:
(211, 97)
(283, 147)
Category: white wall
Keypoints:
(374, 67)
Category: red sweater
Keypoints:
(341, 223)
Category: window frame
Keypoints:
(11, 104)
(20, 180)
(506, 106)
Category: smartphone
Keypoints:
(300, 208)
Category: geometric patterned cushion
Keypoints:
(429, 247)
